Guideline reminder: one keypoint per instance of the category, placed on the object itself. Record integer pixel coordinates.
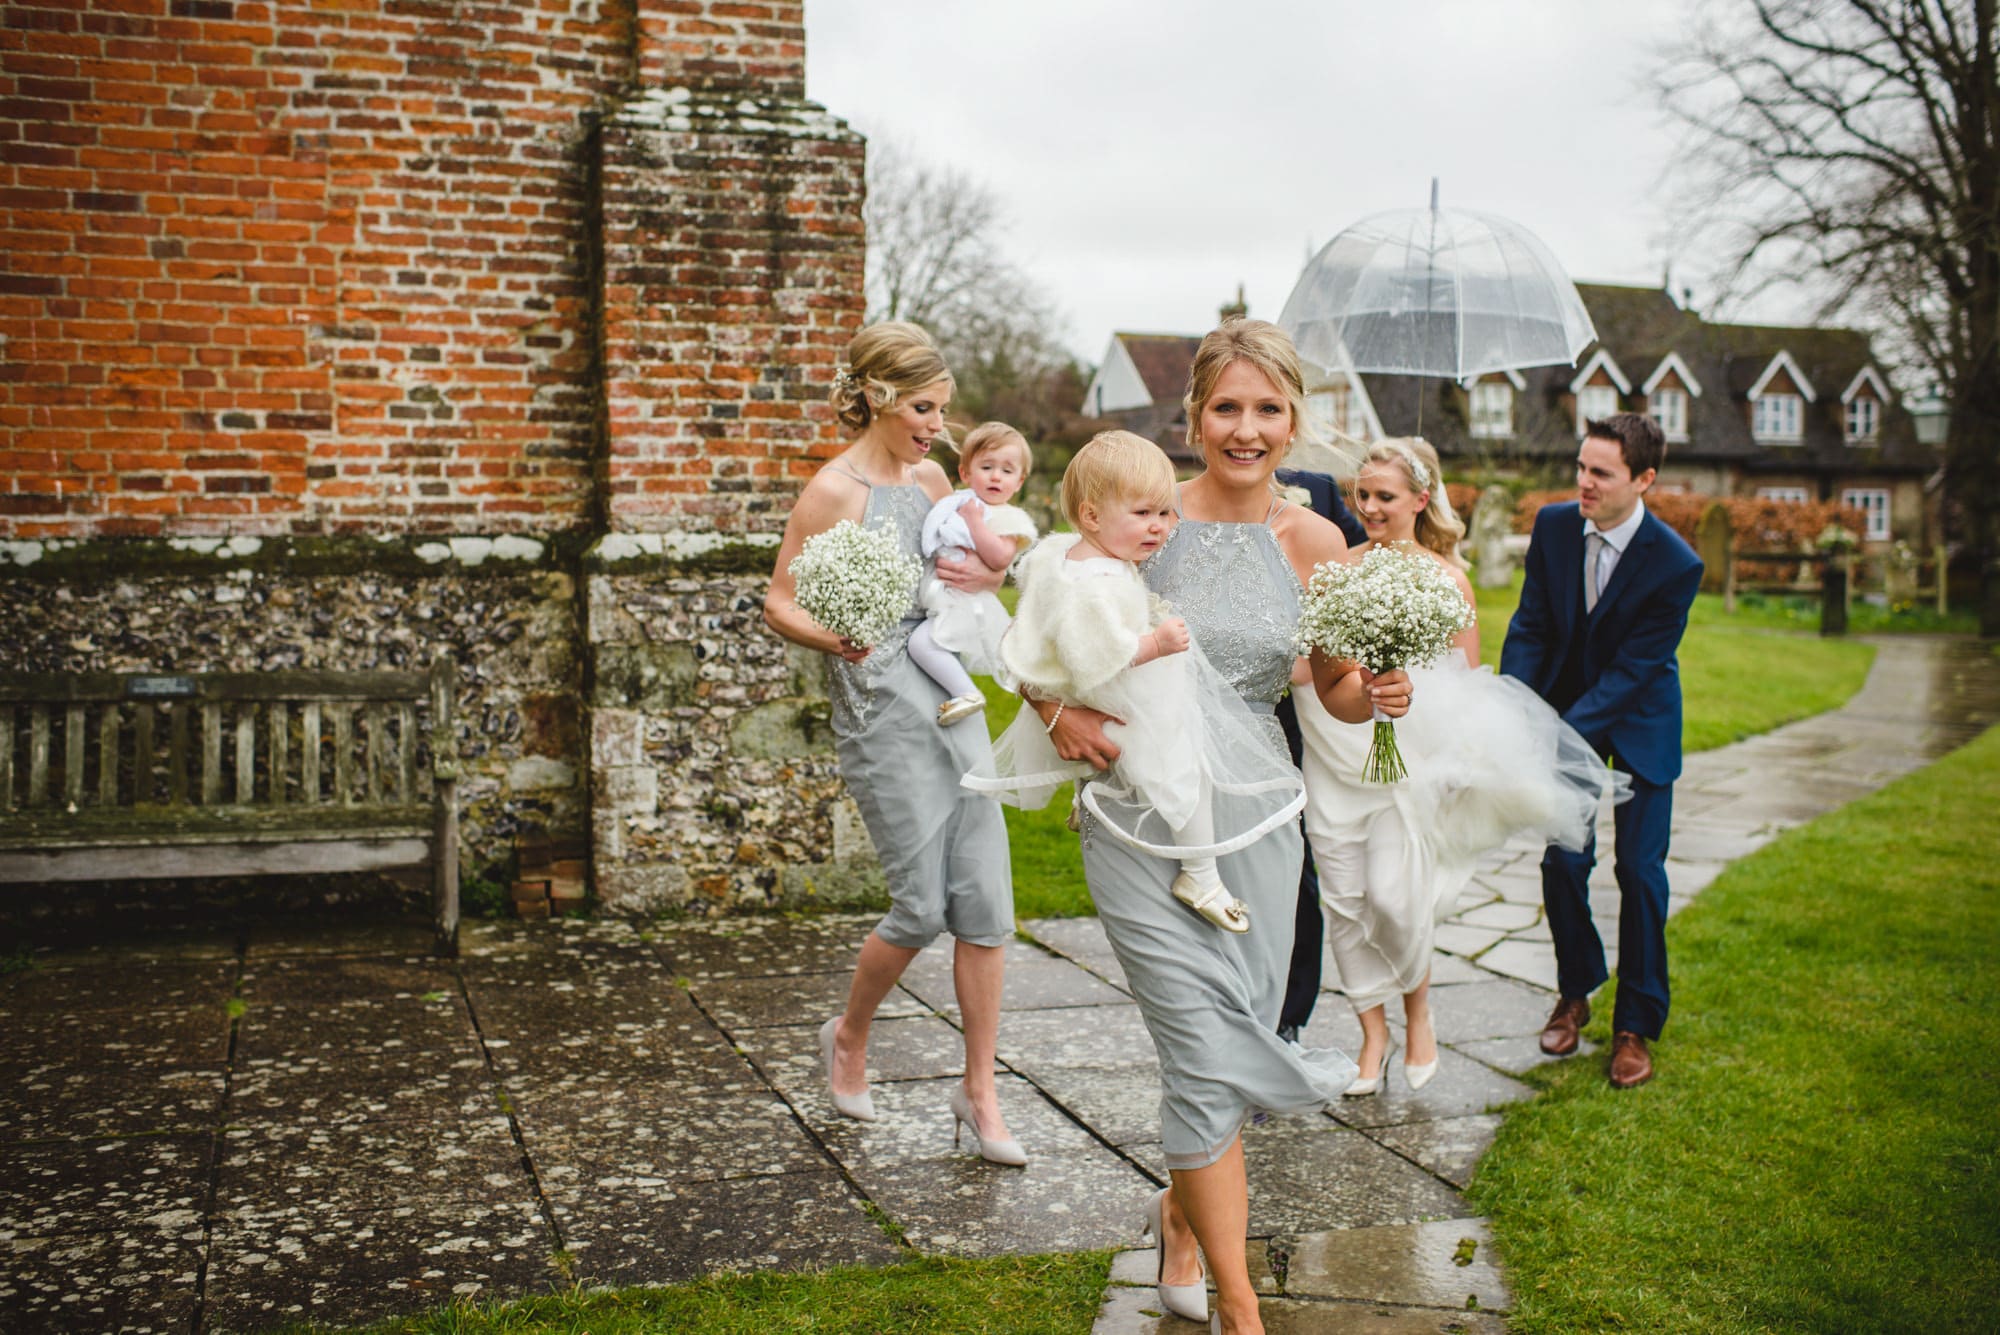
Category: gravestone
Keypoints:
(1492, 525)
(1714, 543)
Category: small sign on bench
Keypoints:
(159, 688)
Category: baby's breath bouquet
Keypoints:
(1391, 609)
(855, 581)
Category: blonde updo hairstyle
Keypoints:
(988, 437)
(1438, 527)
(1264, 346)
(1115, 466)
(886, 363)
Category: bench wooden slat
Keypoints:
(406, 754)
(206, 858)
(109, 721)
(177, 758)
(87, 687)
(211, 753)
(378, 751)
(246, 756)
(73, 755)
(343, 754)
(309, 761)
(142, 755)
(281, 722)
(6, 757)
(38, 755)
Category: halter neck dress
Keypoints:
(1210, 999)
(943, 850)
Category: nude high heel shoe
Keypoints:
(1419, 1076)
(1375, 1084)
(1183, 1300)
(861, 1107)
(1007, 1153)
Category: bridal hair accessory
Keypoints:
(844, 381)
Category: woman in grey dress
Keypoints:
(943, 850)
(1234, 570)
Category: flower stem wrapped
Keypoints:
(855, 581)
(1391, 609)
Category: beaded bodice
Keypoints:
(1240, 598)
(900, 509)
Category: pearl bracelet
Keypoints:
(1050, 726)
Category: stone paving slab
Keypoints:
(54, 1100)
(130, 1281)
(350, 1267)
(56, 989)
(1446, 1147)
(336, 1089)
(428, 1168)
(139, 1184)
(673, 1137)
(1445, 1264)
(639, 1230)
(188, 1034)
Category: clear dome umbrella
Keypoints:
(1436, 293)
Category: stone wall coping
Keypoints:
(69, 558)
(688, 109)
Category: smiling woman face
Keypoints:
(1387, 504)
(907, 430)
(1246, 425)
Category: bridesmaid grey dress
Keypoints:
(944, 850)
(1211, 999)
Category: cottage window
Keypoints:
(1492, 410)
(1594, 403)
(1774, 418)
(1862, 415)
(1669, 407)
(1796, 495)
(1875, 505)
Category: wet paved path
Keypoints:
(225, 1132)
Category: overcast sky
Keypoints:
(1152, 154)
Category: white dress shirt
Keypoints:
(1615, 542)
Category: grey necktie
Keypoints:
(1593, 560)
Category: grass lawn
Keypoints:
(1013, 1295)
(1820, 1151)
(1740, 675)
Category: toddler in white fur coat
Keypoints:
(1196, 777)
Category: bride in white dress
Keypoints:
(1488, 760)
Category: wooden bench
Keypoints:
(117, 776)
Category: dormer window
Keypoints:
(1862, 415)
(1669, 407)
(1778, 402)
(1492, 410)
(1775, 418)
(1594, 403)
(1668, 390)
(1861, 403)
(1597, 387)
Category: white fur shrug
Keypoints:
(1072, 635)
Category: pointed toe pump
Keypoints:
(861, 1107)
(1420, 1075)
(1183, 1300)
(1007, 1153)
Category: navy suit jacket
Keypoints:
(1327, 500)
(1612, 672)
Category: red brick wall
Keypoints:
(716, 44)
(733, 253)
(292, 267)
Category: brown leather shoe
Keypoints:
(1631, 1060)
(1559, 1035)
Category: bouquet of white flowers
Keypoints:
(855, 581)
(1391, 609)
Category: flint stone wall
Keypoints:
(714, 780)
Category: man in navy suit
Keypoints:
(1606, 600)
(1302, 983)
